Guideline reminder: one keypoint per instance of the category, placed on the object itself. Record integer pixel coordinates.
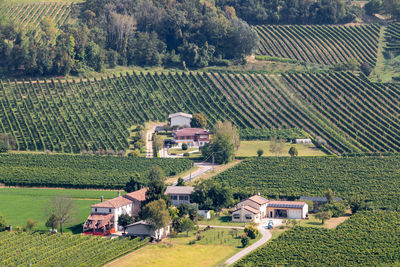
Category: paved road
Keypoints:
(266, 235)
(202, 169)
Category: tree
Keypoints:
(293, 152)
(52, 222)
(63, 208)
(392, 7)
(251, 231)
(329, 195)
(156, 214)
(3, 223)
(226, 130)
(373, 7)
(320, 142)
(366, 68)
(124, 220)
(276, 146)
(184, 147)
(244, 240)
(198, 121)
(187, 225)
(337, 208)
(323, 216)
(180, 182)
(219, 150)
(158, 144)
(357, 203)
(135, 183)
(30, 224)
(260, 152)
(156, 185)
(3, 147)
(211, 195)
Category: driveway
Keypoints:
(203, 167)
(266, 235)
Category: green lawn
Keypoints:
(17, 205)
(249, 149)
(224, 219)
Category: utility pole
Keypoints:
(213, 161)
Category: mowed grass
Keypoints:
(17, 205)
(249, 149)
(216, 246)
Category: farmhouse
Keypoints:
(306, 141)
(180, 119)
(104, 216)
(179, 194)
(257, 208)
(193, 137)
(144, 229)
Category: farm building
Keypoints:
(304, 141)
(318, 201)
(180, 119)
(143, 229)
(179, 194)
(257, 208)
(104, 216)
(193, 137)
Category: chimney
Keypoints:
(101, 199)
(119, 193)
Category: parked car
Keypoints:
(270, 226)
(271, 222)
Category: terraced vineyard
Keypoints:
(320, 44)
(32, 13)
(377, 179)
(366, 239)
(392, 36)
(351, 114)
(62, 250)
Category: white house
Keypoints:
(104, 216)
(143, 229)
(257, 208)
(179, 194)
(193, 137)
(180, 119)
(304, 141)
(254, 208)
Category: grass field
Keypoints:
(249, 149)
(216, 246)
(18, 205)
(223, 220)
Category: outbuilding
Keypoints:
(180, 119)
(144, 229)
(179, 194)
(287, 209)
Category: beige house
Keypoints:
(179, 194)
(180, 119)
(257, 208)
(143, 229)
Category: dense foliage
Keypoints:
(375, 179)
(392, 37)
(349, 113)
(320, 44)
(294, 11)
(62, 250)
(80, 171)
(366, 239)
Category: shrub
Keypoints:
(366, 68)
(293, 152)
(260, 152)
(3, 147)
(186, 154)
(251, 231)
(184, 147)
(244, 240)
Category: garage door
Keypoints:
(294, 214)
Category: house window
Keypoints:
(248, 217)
(236, 216)
(109, 210)
(174, 197)
(95, 209)
(184, 198)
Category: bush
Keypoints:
(186, 154)
(337, 208)
(366, 68)
(3, 147)
(293, 152)
(260, 152)
(251, 231)
(244, 240)
(184, 147)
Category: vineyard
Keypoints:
(392, 36)
(75, 171)
(36, 249)
(377, 179)
(366, 239)
(349, 113)
(32, 13)
(320, 44)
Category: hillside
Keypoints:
(320, 44)
(351, 114)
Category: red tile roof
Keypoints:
(113, 203)
(287, 202)
(190, 132)
(100, 217)
(251, 209)
(258, 199)
(139, 195)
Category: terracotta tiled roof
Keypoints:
(190, 132)
(100, 217)
(258, 199)
(113, 203)
(139, 195)
(251, 209)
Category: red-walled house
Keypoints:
(196, 137)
